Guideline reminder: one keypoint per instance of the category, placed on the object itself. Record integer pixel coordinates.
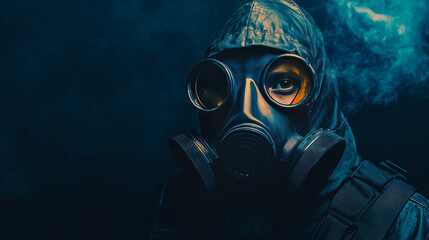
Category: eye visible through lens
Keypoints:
(209, 85)
(288, 81)
(285, 87)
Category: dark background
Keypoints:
(90, 91)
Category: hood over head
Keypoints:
(283, 25)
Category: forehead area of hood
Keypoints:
(279, 24)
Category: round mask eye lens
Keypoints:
(288, 81)
(208, 85)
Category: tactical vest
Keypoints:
(367, 204)
(363, 208)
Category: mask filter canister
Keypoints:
(313, 159)
(194, 157)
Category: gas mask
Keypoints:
(254, 106)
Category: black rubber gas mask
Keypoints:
(254, 116)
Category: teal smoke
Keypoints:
(379, 49)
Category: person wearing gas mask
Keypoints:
(276, 158)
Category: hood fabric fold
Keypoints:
(283, 25)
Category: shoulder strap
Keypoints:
(166, 224)
(367, 203)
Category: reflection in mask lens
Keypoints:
(209, 85)
(288, 81)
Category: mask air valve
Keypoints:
(247, 150)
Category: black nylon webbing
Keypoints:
(366, 205)
(166, 223)
(375, 225)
